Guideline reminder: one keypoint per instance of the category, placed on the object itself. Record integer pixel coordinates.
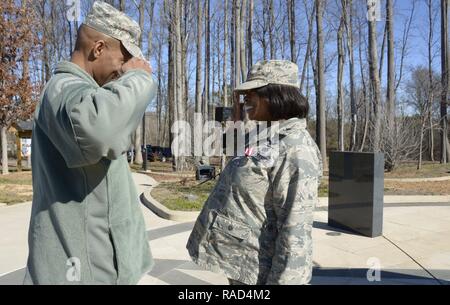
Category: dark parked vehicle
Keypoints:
(130, 152)
(167, 152)
(154, 153)
(149, 151)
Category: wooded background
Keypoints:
(374, 72)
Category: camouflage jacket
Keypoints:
(256, 225)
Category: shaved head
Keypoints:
(100, 55)
(87, 36)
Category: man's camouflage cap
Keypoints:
(110, 21)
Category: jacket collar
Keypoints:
(280, 129)
(74, 69)
(291, 125)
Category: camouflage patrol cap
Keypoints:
(108, 20)
(263, 73)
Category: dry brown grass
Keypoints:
(417, 188)
(16, 188)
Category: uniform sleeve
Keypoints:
(98, 122)
(294, 187)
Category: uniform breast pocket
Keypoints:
(248, 174)
(230, 228)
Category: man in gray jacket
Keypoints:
(86, 225)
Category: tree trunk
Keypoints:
(138, 140)
(251, 8)
(347, 7)
(430, 78)
(265, 22)
(383, 43)
(419, 162)
(364, 92)
(159, 98)
(291, 25)
(150, 32)
(391, 68)
(172, 111)
(242, 44)
(224, 70)
(340, 87)
(237, 42)
(179, 81)
(375, 80)
(445, 149)
(232, 48)
(46, 58)
(308, 46)
(225, 49)
(271, 31)
(5, 169)
(206, 94)
(321, 117)
(198, 71)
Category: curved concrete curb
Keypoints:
(5, 205)
(323, 201)
(185, 175)
(163, 212)
(445, 178)
(169, 214)
(418, 179)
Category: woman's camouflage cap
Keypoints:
(277, 72)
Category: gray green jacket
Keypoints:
(86, 225)
(256, 225)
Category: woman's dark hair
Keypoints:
(285, 102)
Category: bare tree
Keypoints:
(291, 23)
(445, 146)
(159, 98)
(198, 93)
(405, 143)
(18, 40)
(321, 117)
(348, 22)
(251, 7)
(418, 98)
(225, 48)
(179, 75)
(242, 44)
(237, 41)
(375, 82)
(271, 17)
(198, 73)
(431, 17)
(138, 138)
(207, 76)
(364, 92)
(340, 88)
(308, 44)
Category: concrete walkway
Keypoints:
(415, 248)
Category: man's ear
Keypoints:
(99, 47)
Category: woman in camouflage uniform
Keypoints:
(256, 225)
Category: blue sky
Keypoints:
(416, 51)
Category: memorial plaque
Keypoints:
(356, 189)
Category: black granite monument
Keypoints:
(355, 196)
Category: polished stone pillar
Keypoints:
(356, 189)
